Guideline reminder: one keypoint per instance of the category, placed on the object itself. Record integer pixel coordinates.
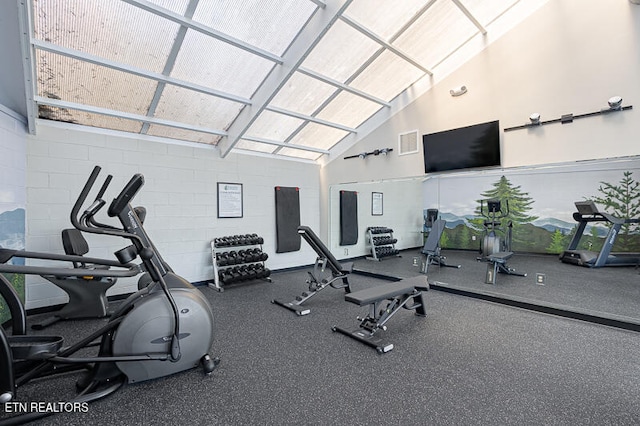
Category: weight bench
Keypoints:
(405, 294)
(318, 280)
(497, 262)
(431, 249)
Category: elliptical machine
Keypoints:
(495, 237)
(494, 249)
(165, 328)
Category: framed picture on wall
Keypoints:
(229, 199)
(376, 204)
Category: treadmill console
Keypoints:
(586, 208)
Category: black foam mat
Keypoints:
(287, 219)
(348, 218)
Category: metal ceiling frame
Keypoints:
(86, 57)
(26, 30)
(171, 61)
(321, 20)
(308, 37)
(196, 26)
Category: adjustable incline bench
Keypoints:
(431, 250)
(316, 282)
(405, 294)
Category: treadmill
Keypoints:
(588, 212)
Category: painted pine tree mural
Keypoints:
(519, 205)
(622, 201)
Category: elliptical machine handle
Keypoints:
(83, 196)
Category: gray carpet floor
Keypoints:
(469, 362)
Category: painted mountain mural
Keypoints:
(531, 233)
(12, 236)
(12, 229)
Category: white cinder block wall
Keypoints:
(179, 195)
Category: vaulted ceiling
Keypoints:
(290, 77)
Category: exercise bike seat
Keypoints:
(75, 244)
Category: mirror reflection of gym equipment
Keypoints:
(587, 213)
(431, 251)
(495, 244)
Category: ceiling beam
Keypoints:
(319, 3)
(308, 37)
(353, 24)
(25, 25)
(86, 57)
(196, 26)
(284, 144)
(472, 18)
(169, 64)
(346, 88)
(125, 115)
(310, 118)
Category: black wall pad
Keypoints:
(287, 219)
(348, 218)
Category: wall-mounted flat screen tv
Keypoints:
(463, 148)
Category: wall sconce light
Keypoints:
(457, 91)
(363, 155)
(615, 103)
(535, 118)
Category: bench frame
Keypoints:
(383, 303)
(318, 278)
(497, 262)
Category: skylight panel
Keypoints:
(111, 30)
(383, 17)
(296, 153)
(255, 146)
(182, 134)
(199, 109)
(177, 6)
(302, 94)
(88, 119)
(89, 84)
(485, 11)
(318, 136)
(269, 25)
(436, 34)
(274, 126)
(387, 76)
(349, 110)
(341, 52)
(209, 62)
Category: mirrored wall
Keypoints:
(539, 203)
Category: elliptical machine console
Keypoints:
(165, 328)
(495, 238)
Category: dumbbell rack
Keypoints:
(382, 243)
(239, 258)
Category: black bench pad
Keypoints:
(500, 257)
(386, 291)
